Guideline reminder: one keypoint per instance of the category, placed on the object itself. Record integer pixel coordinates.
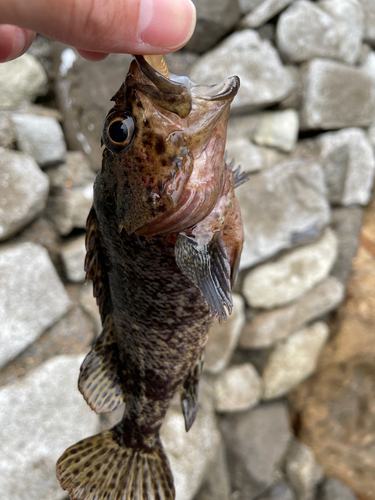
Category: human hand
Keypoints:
(97, 27)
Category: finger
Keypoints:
(132, 26)
(14, 41)
(92, 56)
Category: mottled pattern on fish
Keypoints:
(163, 246)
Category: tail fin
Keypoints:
(100, 468)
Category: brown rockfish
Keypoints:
(164, 239)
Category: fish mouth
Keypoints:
(219, 92)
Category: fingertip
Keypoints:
(15, 41)
(92, 56)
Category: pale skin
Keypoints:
(97, 27)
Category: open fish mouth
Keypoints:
(220, 92)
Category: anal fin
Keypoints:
(189, 392)
(101, 467)
(99, 380)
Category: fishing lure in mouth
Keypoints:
(164, 239)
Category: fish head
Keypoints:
(160, 133)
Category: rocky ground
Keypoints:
(287, 395)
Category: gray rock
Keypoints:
(302, 470)
(32, 297)
(7, 132)
(41, 137)
(88, 303)
(264, 12)
(335, 96)
(256, 441)
(278, 129)
(245, 153)
(73, 255)
(277, 283)
(238, 388)
(190, 454)
(223, 338)
(217, 482)
(330, 28)
(269, 327)
(332, 489)
(264, 80)
(274, 221)
(46, 415)
(281, 491)
(23, 191)
(294, 99)
(293, 360)
(83, 91)
(180, 62)
(71, 193)
(348, 162)
(368, 63)
(248, 5)
(347, 223)
(214, 21)
(21, 81)
(369, 14)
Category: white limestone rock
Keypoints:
(293, 360)
(23, 191)
(369, 15)
(238, 388)
(21, 81)
(32, 297)
(335, 96)
(263, 12)
(348, 162)
(302, 471)
(264, 80)
(273, 220)
(40, 137)
(332, 29)
(277, 283)
(73, 255)
(278, 129)
(245, 153)
(223, 338)
(45, 415)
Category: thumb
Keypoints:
(104, 26)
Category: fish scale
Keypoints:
(163, 254)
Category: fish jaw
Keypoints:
(153, 174)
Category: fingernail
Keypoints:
(13, 42)
(166, 23)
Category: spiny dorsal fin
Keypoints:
(99, 381)
(189, 392)
(208, 268)
(99, 468)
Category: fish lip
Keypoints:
(223, 91)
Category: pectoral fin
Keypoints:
(189, 392)
(207, 266)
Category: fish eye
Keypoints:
(118, 132)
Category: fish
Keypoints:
(164, 240)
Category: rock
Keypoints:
(348, 162)
(248, 5)
(245, 153)
(331, 489)
(368, 63)
(217, 482)
(190, 454)
(293, 360)
(238, 388)
(369, 15)
(277, 283)
(88, 302)
(71, 193)
(7, 133)
(223, 338)
(214, 21)
(73, 255)
(268, 327)
(335, 96)
(256, 441)
(332, 29)
(21, 81)
(84, 89)
(347, 223)
(278, 129)
(294, 99)
(23, 191)
(264, 12)
(264, 80)
(46, 415)
(281, 491)
(32, 297)
(302, 470)
(40, 137)
(181, 62)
